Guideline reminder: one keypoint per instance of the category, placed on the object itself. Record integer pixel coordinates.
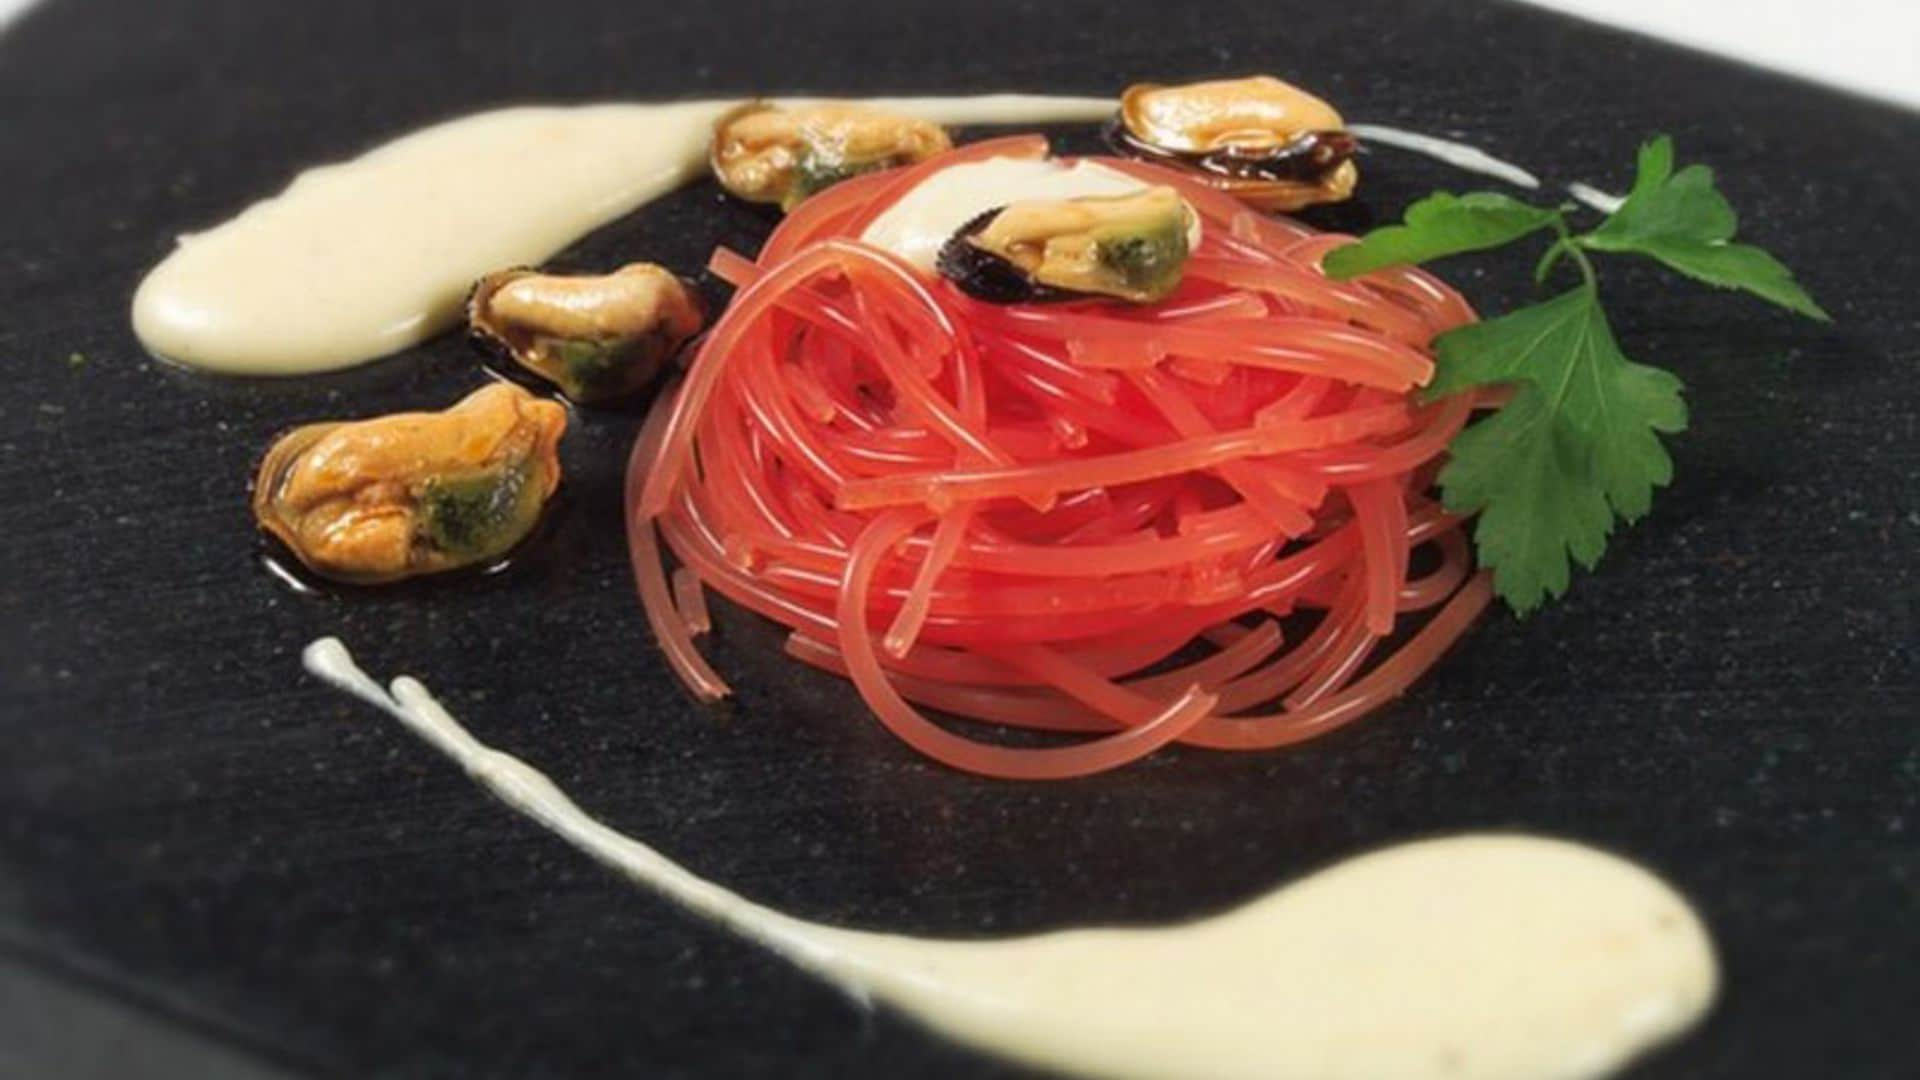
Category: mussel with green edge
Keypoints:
(1126, 247)
(767, 153)
(378, 500)
(1269, 143)
(596, 337)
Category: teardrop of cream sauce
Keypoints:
(362, 258)
(1494, 956)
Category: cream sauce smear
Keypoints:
(1604, 201)
(362, 258)
(1475, 956)
(1450, 151)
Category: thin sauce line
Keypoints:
(1457, 154)
(1475, 956)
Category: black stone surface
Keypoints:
(188, 823)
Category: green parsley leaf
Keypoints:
(1441, 224)
(1682, 220)
(1576, 447)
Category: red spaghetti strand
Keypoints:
(1009, 513)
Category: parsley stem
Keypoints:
(1585, 264)
(1565, 244)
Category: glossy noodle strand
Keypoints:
(1205, 521)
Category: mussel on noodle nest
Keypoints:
(1124, 247)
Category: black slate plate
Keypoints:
(191, 825)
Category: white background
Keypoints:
(1868, 46)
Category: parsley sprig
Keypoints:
(1578, 445)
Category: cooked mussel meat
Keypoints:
(770, 154)
(1129, 247)
(373, 501)
(595, 337)
(1267, 142)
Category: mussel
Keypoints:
(769, 154)
(1267, 142)
(374, 501)
(595, 337)
(1129, 247)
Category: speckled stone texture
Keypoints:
(188, 822)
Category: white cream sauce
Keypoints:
(359, 259)
(1457, 154)
(1477, 956)
(916, 226)
(1604, 201)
